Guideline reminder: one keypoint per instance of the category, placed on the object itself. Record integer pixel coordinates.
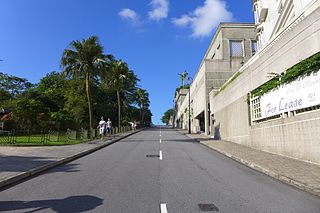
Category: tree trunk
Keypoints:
(88, 91)
(140, 115)
(119, 109)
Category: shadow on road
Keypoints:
(70, 167)
(23, 164)
(20, 163)
(70, 204)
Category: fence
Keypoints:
(54, 137)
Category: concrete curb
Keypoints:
(23, 175)
(282, 178)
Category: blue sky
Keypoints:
(157, 38)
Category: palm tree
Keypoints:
(84, 59)
(183, 77)
(143, 102)
(119, 76)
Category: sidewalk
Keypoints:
(17, 163)
(305, 176)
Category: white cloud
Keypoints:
(129, 14)
(160, 9)
(205, 18)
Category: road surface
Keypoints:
(156, 170)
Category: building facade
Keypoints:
(231, 47)
(288, 34)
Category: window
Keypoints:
(236, 48)
(255, 108)
(254, 48)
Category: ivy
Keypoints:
(181, 87)
(300, 70)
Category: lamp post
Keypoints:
(189, 81)
(173, 114)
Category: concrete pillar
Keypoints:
(206, 121)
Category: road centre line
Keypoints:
(160, 155)
(163, 208)
(160, 141)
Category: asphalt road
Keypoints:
(145, 174)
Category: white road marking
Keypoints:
(163, 208)
(160, 155)
(160, 141)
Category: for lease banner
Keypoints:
(301, 93)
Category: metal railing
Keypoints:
(46, 137)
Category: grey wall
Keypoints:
(297, 136)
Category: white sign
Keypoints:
(301, 93)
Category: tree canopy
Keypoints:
(166, 116)
(89, 85)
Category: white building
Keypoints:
(272, 16)
(288, 36)
(232, 45)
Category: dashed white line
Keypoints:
(163, 208)
(160, 140)
(160, 155)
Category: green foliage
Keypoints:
(303, 68)
(166, 116)
(84, 59)
(123, 82)
(183, 76)
(13, 85)
(181, 87)
(142, 99)
(60, 100)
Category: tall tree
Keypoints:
(123, 81)
(183, 76)
(166, 116)
(143, 102)
(84, 59)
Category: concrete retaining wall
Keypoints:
(297, 136)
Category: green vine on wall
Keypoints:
(300, 70)
(181, 87)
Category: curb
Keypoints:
(23, 175)
(263, 170)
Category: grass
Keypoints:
(39, 140)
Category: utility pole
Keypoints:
(189, 81)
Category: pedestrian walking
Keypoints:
(133, 125)
(109, 126)
(102, 127)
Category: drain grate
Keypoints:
(152, 156)
(208, 207)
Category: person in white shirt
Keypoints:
(109, 126)
(102, 126)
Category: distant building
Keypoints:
(180, 117)
(232, 45)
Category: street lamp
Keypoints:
(189, 81)
(174, 114)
